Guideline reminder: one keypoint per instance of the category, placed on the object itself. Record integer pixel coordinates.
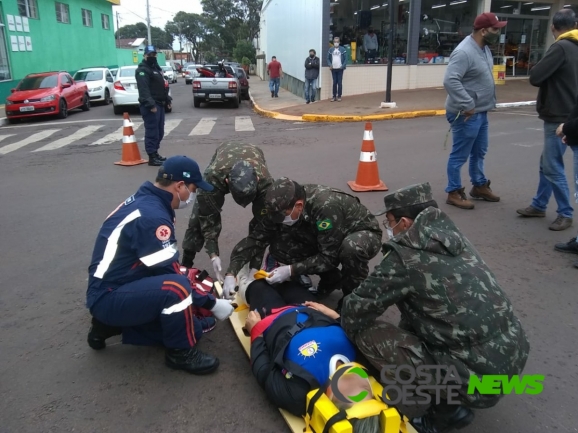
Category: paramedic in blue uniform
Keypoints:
(135, 287)
(153, 98)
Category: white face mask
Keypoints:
(389, 230)
(335, 44)
(191, 199)
(288, 221)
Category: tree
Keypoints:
(160, 38)
(188, 27)
(244, 49)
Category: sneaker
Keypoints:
(334, 99)
(307, 102)
(338, 99)
(276, 96)
(191, 360)
(484, 192)
(561, 223)
(99, 332)
(313, 100)
(570, 247)
(458, 198)
(434, 422)
(207, 323)
(531, 212)
(272, 94)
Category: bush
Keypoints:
(245, 61)
(242, 50)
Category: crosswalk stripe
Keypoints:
(171, 124)
(204, 127)
(31, 139)
(243, 123)
(114, 136)
(65, 141)
(4, 137)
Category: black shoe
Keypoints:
(435, 422)
(99, 332)
(154, 161)
(328, 282)
(570, 247)
(307, 102)
(188, 258)
(272, 94)
(160, 158)
(191, 360)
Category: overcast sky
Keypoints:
(161, 11)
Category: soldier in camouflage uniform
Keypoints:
(453, 312)
(311, 229)
(236, 168)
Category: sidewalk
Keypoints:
(410, 103)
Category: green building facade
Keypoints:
(48, 35)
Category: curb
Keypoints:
(316, 118)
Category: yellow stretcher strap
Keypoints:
(259, 275)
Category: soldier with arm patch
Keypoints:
(453, 311)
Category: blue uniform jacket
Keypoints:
(136, 241)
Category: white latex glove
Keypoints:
(229, 287)
(279, 275)
(222, 309)
(217, 267)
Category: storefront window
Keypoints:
(351, 19)
(4, 62)
(444, 24)
(523, 41)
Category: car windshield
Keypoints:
(128, 72)
(88, 76)
(167, 68)
(32, 83)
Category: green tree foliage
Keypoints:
(186, 27)
(160, 38)
(242, 50)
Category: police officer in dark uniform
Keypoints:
(153, 97)
(135, 287)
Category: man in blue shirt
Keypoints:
(135, 286)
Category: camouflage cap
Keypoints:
(408, 196)
(280, 196)
(243, 183)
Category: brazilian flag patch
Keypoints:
(324, 225)
(141, 73)
(263, 212)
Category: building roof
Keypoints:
(138, 42)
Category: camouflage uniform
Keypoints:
(333, 228)
(453, 310)
(205, 221)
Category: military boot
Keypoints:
(484, 192)
(458, 198)
(99, 332)
(436, 421)
(191, 360)
(154, 161)
(188, 258)
(159, 157)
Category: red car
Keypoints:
(46, 93)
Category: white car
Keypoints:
(125, 91)
(99, 82)
(170, 73)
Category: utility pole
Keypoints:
(150, 42)
(392, 11)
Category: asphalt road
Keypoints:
(54, 201)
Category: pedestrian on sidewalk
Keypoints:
(568, 132)
(557, 77)
(275, 72)
(153, 98)
(311, 74)
(337, 60)
(471, 89)
(370, 45)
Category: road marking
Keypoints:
(299, 129)
(243, 123)
(526, 144)
(535, 129)
(115, 136)
(57, 123)
(32, 139)
(170, 125)
(65, 141)
(4, 137)
(518, 114)
(204, 127)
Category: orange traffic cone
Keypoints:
(130, 152)
(367, 171)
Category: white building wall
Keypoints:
(292, 28)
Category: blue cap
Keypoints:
(150, 49)
(182, 168)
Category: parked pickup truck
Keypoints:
(207, 87)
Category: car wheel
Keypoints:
(117, 109)
(107, 99)
(235, 102)
(197, 102)
(86, 103)
(62, 109)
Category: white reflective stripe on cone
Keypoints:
(367, 157)
(128, 139)
(208, 283)
(368, 135)
(177, 308)
(160, 256)
(127, 122)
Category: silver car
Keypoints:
(125, 91)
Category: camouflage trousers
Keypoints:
(356, 250)
(385, 344)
